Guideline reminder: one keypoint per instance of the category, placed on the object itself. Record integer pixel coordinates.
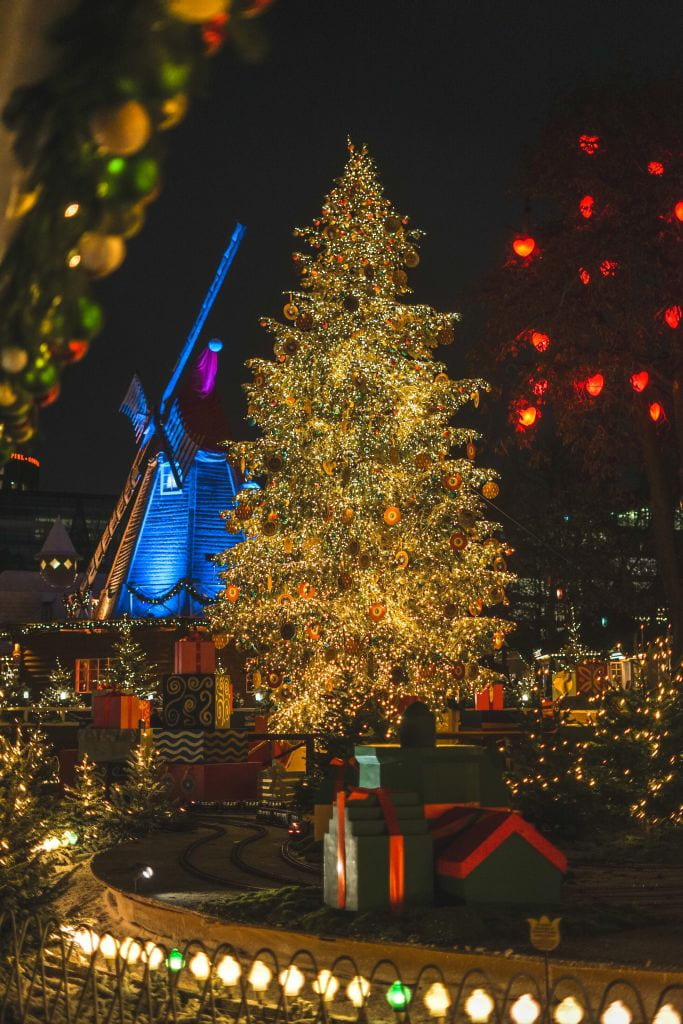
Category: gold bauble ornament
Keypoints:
(232, 592)
(423, 461)
(173, 110)
(101, 254)
(411, 257)
(121, 130)
(377, 611)
(498, 641)
(347, 515)
(290, 311)
(220, 640)
(490, 490)
(499, 564)
(8, 395)
(452, 481)
(288, 545)
(458, 541)
(306, 591)
(13, 359)
(471, 451)
(196, 11)
(402, 559)
(392, 515)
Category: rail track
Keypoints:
(256, 833)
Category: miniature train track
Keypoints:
(237, 855)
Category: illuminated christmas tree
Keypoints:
(27, 821)
(10, 692)
(86, 809)
(60, 689)
(369, 570)
(140, 803)
(130, 670)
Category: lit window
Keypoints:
(168, 481)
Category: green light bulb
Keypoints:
(175, 961)
(398, 996)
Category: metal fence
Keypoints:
(52, 972)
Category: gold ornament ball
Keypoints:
(196, 11)
(173, 110)
(13, 359)
(490, 490)
(122, 130)
(7, 394)
(101, 254)
(498, 641)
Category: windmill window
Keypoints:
(168, 481)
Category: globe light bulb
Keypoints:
(229, 971)
(175, 960)
(326, 985)
(569, 1011)
(358, 989)
(617, 1013)
(292, 981)
(437, 999)
(479, 1006)
(109, 947)
(131, 950)
(525, 1010)
(398, 996)
(667, 1014)
(259, 976)
(87, 940)
(153, 956)
(200, 966)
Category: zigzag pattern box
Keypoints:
(196, 702)
(198, 746)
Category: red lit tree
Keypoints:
(587, 315)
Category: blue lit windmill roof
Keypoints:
(179, 484)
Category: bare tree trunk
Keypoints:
(663, 527)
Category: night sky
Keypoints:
(447, 94)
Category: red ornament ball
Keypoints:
(590, 144)
(673, 316)
(584, 276)
(678, 210)
(656, 168)
(639, 381)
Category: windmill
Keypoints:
(178, 484)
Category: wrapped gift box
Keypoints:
(194, 656)
(490, 699)
(212, 782)
(119, 711)
(194, 746)
(378, 852)
(196, 701)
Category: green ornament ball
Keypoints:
(174, 77)
(39, 377)
(143, 175)
(90, 316)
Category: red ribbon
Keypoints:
(396, 851)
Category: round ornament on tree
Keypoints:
(101, 254)
(122, 130)
(13, 359)
(196, 11)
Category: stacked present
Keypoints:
(117, 719)
(206, 760)
(422, 810)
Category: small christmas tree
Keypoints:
(27, 822)
(369, 567)
(10, 692)
(130, 669)
(60, 688)
(86, 809)
(141, 802)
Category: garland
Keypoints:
(88, 139)
(183, 584)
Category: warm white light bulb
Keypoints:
(131, 950)
(326, 985)
(259, 976)
(228, 971)
(479, 1006)
(525, 1009)
(109, 947)
(292, 980)
(569, 1011)
(87, 940)
(200, 966)
(617, 1013)
(437, 999)
(357, 990)
(153, 956)
(667, 1014)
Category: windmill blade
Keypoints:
(207, 304)
(136, 407)
(117, 515)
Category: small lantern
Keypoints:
(325, 985)
(617, 1013)
(200, 966)
(228, 971)
(569, 1011)
(479, 1006)
(358, 990)
(291, 980)
(437, 1000)
(175, 960)
(526, 1010)
(259, 976)
(398, 996)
